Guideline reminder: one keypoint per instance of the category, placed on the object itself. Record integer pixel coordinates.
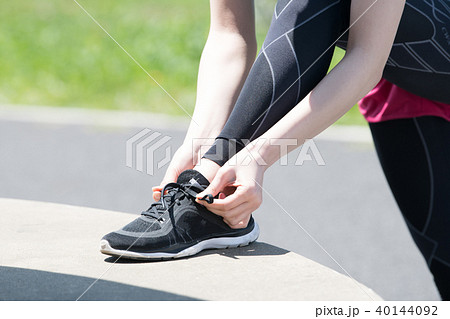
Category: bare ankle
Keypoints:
(207, 168)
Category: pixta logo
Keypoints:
(308, 151)
(148, 149)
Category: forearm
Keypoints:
(374, 26)
(224, 65)
(347, 83)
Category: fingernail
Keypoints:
(209, 198)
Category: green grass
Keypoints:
(52, 53)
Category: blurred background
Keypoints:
(72, 151)
(53, 54)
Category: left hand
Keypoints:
(237, 207)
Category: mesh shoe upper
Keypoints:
(175, 222)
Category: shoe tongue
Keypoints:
(192, 177)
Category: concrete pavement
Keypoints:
(54, 255)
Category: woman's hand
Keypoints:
(183, 159)
(246, 180)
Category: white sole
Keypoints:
(213, 243)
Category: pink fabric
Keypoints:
(388, 102)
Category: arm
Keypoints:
(228, 55)
(370, 42)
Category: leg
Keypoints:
(295, 56)
(415, 156)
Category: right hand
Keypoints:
(183, 159)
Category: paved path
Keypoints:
(345, 205)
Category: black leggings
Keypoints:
(295, 57)
(297, 52)
(415, 156)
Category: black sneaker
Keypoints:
(177, 226)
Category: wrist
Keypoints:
(197, 146)
(264, 152)
(199, 135)
(204, 124)
(258, 151)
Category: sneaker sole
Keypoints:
(213, 243)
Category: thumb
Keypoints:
(220, 181)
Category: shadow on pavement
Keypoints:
(254, 249)
(30, 284)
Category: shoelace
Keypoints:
(157, 210)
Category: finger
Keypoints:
(218, 183)
(234, 213)
(156, 196)
(228, 203)
(156, 193)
